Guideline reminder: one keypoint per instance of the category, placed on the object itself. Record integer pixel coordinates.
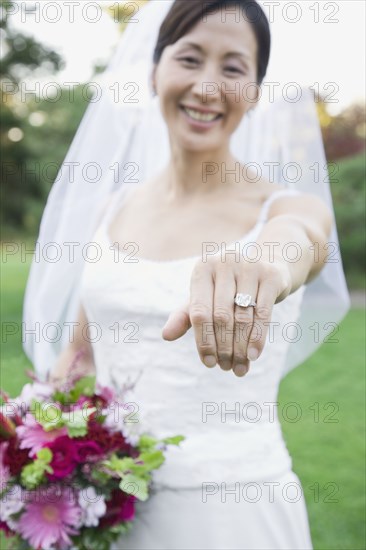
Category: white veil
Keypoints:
(121, 141)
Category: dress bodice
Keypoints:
(230, 424)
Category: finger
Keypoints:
(177, 325)
(262, 316)
(200, 311)
(223, 318)
(243, 319)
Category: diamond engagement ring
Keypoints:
(244, 300)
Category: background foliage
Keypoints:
(36, 134)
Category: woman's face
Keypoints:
(213, 68)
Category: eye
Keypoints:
(233, 70)
(189, 59)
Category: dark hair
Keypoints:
(185, 14)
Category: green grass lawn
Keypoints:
(326, 442)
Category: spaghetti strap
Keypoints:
(267, 204)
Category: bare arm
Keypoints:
(64, 368)
(296, 234)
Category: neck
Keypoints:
(192, 174)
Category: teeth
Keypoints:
(205, 117)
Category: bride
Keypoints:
(212, 373)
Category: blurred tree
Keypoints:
(21, 57)
(124, 12)
(348, 191)
(344, 142)
(343, 134)
(50, 129)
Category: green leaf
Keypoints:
(84, 386)
(100, 477)
(61, 397)
(121, 529)
(45, 455)
(152, 459)
(136, 486)
(146, 442)
(33, 474)
(119, 464)
(175, 440)
(47, 414)
(77, 421)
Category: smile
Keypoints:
(202, 118)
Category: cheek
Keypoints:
(170, 78)
(236, 109)
(244, 99)
(170, 90)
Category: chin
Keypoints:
(198, 143)
(198, 148)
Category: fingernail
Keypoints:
(226, 365)
(240, 370)
(209, 361)
(252, 354)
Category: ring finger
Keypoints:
(243, 325)
(223, 317)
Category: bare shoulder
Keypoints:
(260, 191)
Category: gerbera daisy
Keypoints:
(33, 436)
(50, 518)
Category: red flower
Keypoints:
(87, 450)
(7, 427)
(120, 507)
(7, 531)
(99, 401)
(64, 459)
(109, 441)
(16, 458)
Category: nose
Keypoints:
(207, 86)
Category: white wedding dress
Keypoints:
(230, 484)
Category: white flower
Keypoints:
(124, 418)
(115, 416)
(11, 503)
(37, 390)
(92, 506)
(19, 405)
(132, 434)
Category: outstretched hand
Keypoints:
(226, 333)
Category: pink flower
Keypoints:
(64, 459)
(105, 393)
(50, 518)
(80, 403)
(4, 469)
(33, 436)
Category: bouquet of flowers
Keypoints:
(72, 465)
